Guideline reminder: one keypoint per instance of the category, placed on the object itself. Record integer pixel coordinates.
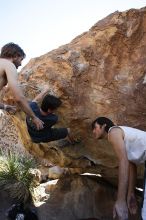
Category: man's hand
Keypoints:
(41, 95)
(38, 123)
(132, 204)
(45, 89)
(120, 210)
(10, 108)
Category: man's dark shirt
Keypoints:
(49, 120)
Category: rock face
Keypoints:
(100, 73)
(80, 197)
(9, 138)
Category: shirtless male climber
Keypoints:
(10, 59)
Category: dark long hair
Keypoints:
(102, 121)
(12, 50)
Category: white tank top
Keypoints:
(135, 142)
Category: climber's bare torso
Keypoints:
(3, 77)
(8, 72)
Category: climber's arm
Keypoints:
(41, 95)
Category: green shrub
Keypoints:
(15, 177)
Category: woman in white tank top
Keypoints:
(130, 147)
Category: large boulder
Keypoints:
(102, 72)
(78, 198)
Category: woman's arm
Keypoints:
(131, 198)
(117, 141)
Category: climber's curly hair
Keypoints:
(12, 50)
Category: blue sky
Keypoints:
(39, 26)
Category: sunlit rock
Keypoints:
(100, 73)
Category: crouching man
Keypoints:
(45, 113)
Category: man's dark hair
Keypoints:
(11, 50)
(101, 121)
(50, 102)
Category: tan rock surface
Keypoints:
(101, 72)
(79, 197)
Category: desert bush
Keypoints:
(15, 177)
